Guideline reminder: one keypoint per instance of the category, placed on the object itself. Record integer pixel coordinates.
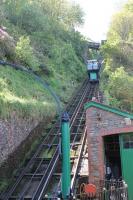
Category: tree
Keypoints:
(63, 11)
(118, 52)
(121, 88)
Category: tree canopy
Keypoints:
(41, 34)
(118, 52)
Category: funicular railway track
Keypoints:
(78, 139)
(42, 175)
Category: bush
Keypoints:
(120, 89)
(24, 53)
(7, 46)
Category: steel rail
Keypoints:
(30, 162)
(78, 160)
(50, 168)
(43, 184)
(82, 144)
(73, 116)
(79, 149)
(40, 192)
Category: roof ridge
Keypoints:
(108, 108)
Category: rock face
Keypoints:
(16, 137)
(101, 123)
(12, 133)
(7, 44)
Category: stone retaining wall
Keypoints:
(12, 133)
(16, 138)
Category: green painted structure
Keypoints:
(108, 108)
(65, 147)
(93, 76)
(126, 150)
(125, 135)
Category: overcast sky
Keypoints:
(98, 15)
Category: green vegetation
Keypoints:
(47, 153)
(39, 34)
(4, 184)
(22, 95)
(117, 79)
(6, 181)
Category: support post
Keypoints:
(65, 146)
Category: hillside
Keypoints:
(39, 35)
(117, 77)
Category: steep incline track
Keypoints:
(78, 139)
(44, 166)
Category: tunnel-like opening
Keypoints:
(112, 157)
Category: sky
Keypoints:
(98, 15)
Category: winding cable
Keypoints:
(45, 85)
(38, 79)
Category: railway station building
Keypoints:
(110, 143)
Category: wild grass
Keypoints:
(20, 93)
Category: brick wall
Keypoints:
(100, 123)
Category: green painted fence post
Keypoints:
(65, 146)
